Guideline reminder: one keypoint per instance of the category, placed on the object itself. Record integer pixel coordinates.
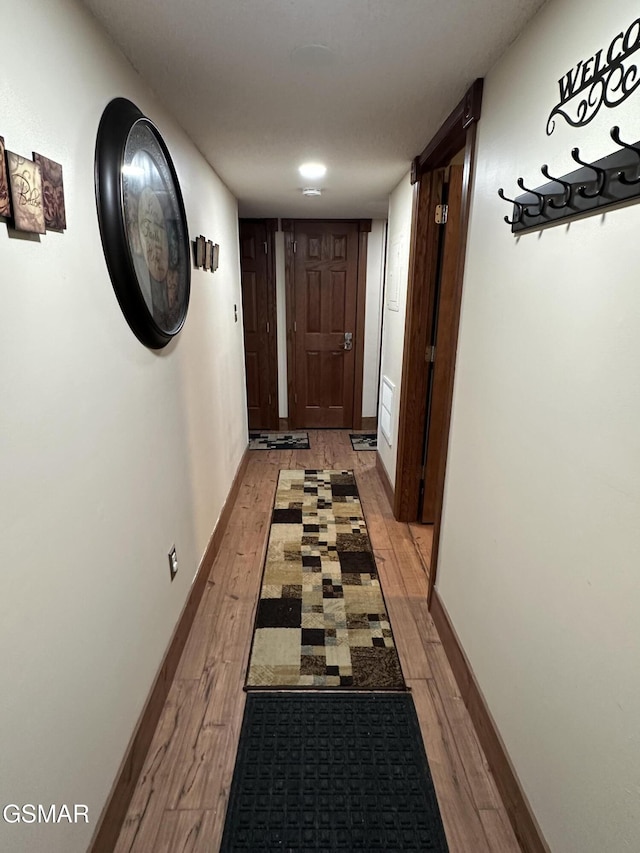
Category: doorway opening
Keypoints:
(346, 273)
(441, 177)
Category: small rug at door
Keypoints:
(364, 440)
(278, 441)
(332, 772)
(321, 619)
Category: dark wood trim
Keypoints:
(361, 301)
(473, 103)
(523, 821)
(384, 478)
(423, 267)
(369, 424)
(467, 183)
(444, 336)
(272, 227)
(290, 296)
(114, 812)
(451, 136)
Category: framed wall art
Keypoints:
(143, 223)
(5, 201)
(208, 254)
(199, 251)
(25, 181)
(52, 193)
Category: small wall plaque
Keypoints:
(5, 201)
(52, 193)
(25, 179)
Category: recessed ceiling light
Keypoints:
(311, 191)
(313, 171)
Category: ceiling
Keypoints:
(264, 85)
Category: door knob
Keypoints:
(348, 341)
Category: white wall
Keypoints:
(540, 551)
(109, 452)
(373, 317)
(394, 310)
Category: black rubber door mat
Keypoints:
(318, 773)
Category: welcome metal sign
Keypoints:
(605, 78)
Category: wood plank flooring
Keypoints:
(180, 800)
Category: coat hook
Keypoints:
(621, 176)
(565, 186)
(519, 208)
(600, 175)
(540, 198)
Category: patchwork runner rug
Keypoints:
(278, 441)
(321, 619)
(364, 440)
(332, 772)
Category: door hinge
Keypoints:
(295, 327)
(267, 327)
(269, 399)
(295, 398)
(442, 213)
(430, 355)
(266, 247)
(295, 246)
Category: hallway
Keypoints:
(180, 801)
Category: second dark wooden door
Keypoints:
(258, 309)
(325, 293)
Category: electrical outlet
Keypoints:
(173, 562)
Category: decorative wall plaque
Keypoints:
(52, 193)
(605, 78)
(5, 201)
(25, 180)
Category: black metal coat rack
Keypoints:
(610, 180)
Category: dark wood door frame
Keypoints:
(364, 228)
(445, 325)
(271, 226)
(458, 132)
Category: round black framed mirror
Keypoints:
(142, 224)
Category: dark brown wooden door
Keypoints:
(325, 294)
(443, 341)
(258, 309)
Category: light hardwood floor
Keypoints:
(180, 800)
